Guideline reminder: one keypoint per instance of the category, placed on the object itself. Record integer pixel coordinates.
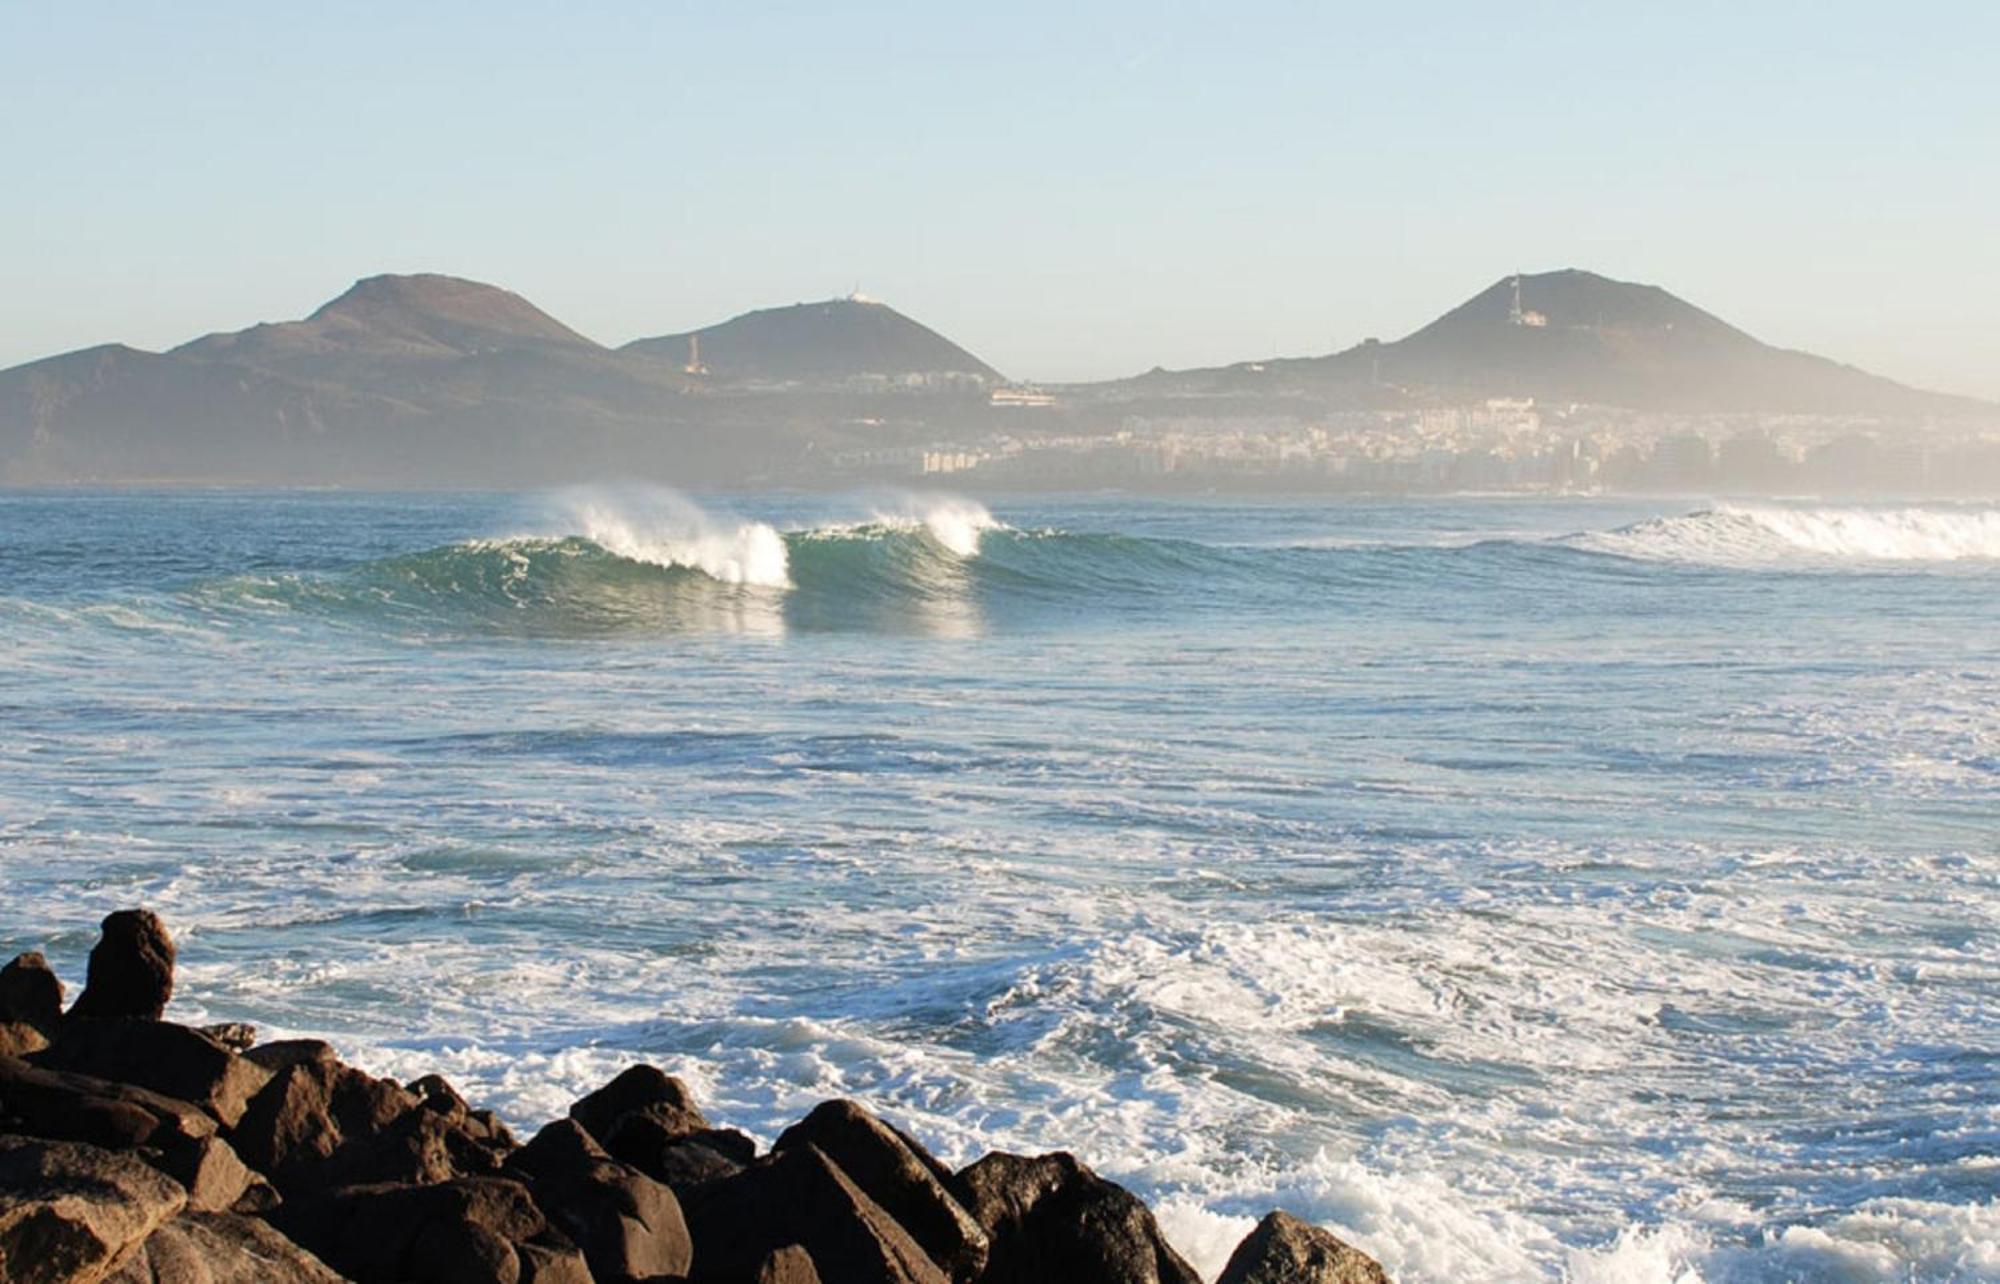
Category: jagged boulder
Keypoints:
(1284, 1250)
(1051, 1220)
(31, 993)
(470, 1230)
(61, 1105)
(19, 1039)
(799, 1196)
(311, 1109)
(215, 1178)
(628, 1226)
(170, 1059)
(788, 1265)
(220, 1248)
(640, 1091)
(901, 1176)
(71, 1213)
(286, 1053)
(131, 971)
(681, 1160)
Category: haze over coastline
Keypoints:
(1270, 643)
(1072, 194)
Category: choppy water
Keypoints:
(1527, 890)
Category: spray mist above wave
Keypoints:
(663, 529)
(1729, 535)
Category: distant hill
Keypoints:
(437, 381)
(833, 342)
(423, 317)
(1573, 336)
(401, 379)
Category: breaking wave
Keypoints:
(609, 563)
(1756, 536)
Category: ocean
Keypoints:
(1525, 889)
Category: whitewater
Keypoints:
(1527, 890)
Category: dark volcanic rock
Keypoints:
(61, 1105)
(216, 1179)
(31, 993)
(466, 1230)
(237, 1036)
(683, 1164)
(1050, 1220)
(166, 1058)
(901, 1176)
(628, 1226)
(799, 1196)
(131, 969)
(1285, 1250)
(658, 1148)
(788, 1265)
(18, 1039)
(220, 1248)
(311, 1109)
(70, 1212)
(642, 1090)
(289, 1052)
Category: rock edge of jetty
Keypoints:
(137, 1150)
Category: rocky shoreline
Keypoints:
(137, 1150)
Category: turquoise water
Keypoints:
(1525, 889)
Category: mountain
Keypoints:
(835, 342)
(1577, 337)
(400, 379)
(423, 317)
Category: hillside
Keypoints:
(831, 342)
(1577, 337)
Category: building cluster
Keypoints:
(1501, 445)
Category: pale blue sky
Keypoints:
(1070, 191)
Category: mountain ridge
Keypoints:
(1573, 336)
(442, 380)
(830, 340)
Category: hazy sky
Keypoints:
(1069, 191)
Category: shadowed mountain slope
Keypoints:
(1576, 337)
(819, 343)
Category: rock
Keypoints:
(628, 1226)
(60, 1105)
(1285, 1250)
(799, 1196)
(680, 1159)
(131, 970)
(681, 1164)
(237, 1036)
(216, 1179)
(311, 1109)
(788, 1265)
(640, 1090)
(221, 1248)
(30, 993)
(18, 1039)
(1050, 1220)
(436, 1095)
(901, 1176)
(464, 1231)
(541, 1264)
(286, 1053)
(158, 1055)
(70, 1213)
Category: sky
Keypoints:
(1070, 191)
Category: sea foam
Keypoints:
(665, 529)
(1731, 535)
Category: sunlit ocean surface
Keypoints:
(1524, 889)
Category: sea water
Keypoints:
(1523, 889)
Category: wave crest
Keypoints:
(1729, 535)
